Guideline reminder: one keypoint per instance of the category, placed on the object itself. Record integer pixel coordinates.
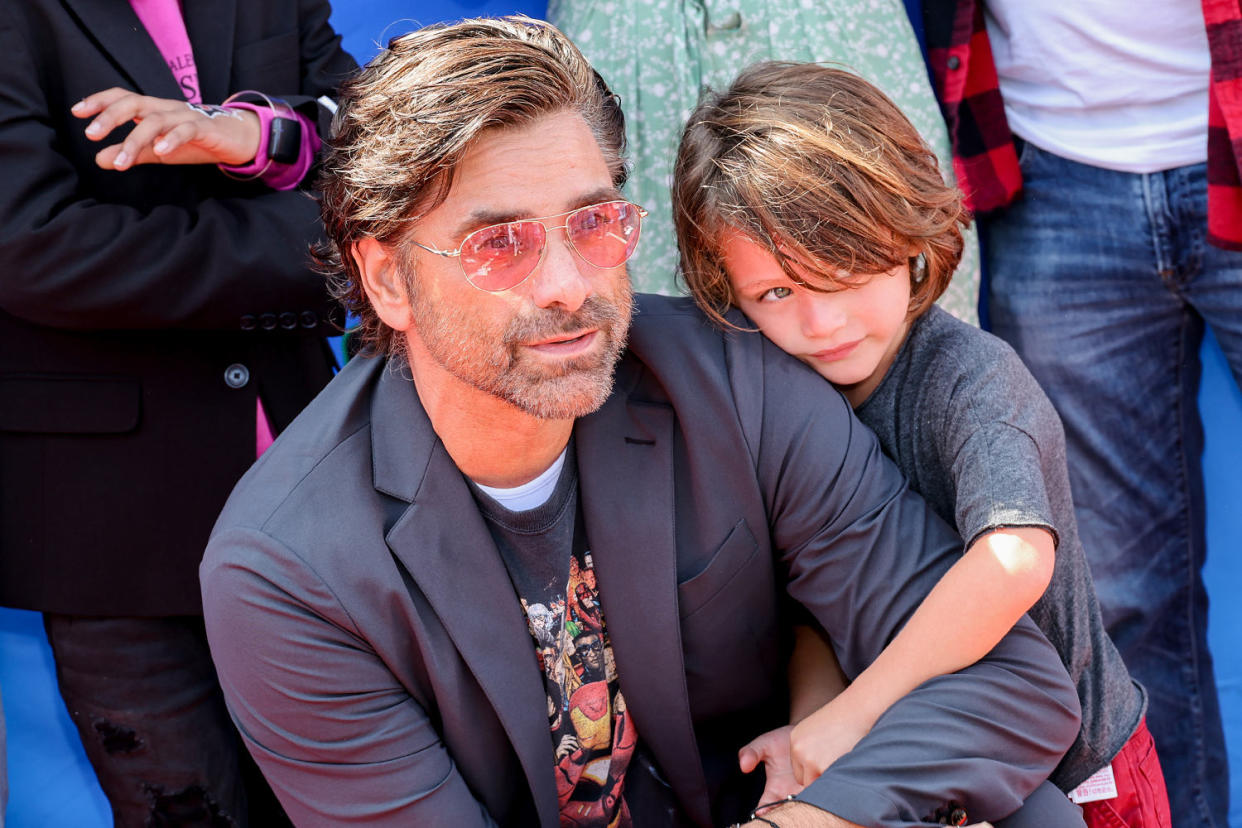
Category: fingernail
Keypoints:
(161, 147)
(93, 129)
(121, 160)
(78, 106)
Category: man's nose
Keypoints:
(559, 278)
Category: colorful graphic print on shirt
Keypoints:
(592, 734)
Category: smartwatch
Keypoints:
(284, 140)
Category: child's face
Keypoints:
(849, 336)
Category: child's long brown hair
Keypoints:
(821, 168)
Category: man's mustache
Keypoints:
(544, 323)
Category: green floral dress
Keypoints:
(658, 54)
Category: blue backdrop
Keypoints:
(52, 786)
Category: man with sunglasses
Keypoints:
(523, 561)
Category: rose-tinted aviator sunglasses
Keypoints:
(501, 256)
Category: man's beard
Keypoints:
(495, 362)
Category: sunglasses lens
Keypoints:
(605, 234)
(501, 256)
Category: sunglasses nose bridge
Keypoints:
(569, 241)
(547, 232)
(559, 280)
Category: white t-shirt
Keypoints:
(1119, 84)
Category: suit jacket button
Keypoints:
(248, 322)
(288, 320)
(309, 319)
(267, 321)
(236, 375)
(954, 62)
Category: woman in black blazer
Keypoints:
(142, 313)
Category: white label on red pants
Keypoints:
(1101, 785)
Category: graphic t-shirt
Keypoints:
(593, 738)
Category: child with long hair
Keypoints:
(806, 200)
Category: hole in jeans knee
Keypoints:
(115, 738)
(184, 808)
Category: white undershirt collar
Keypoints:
(529, 495)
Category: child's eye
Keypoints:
(775, 294)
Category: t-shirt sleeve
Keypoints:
(997, 427)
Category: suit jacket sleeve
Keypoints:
(862, 550)
(338, 738)
(79, 248)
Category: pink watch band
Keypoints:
(275, 175)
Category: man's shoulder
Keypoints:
(678, 342)
(326, 447)
(726, 372)
(656, 318)
(687, 359)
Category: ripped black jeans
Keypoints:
(144, 696)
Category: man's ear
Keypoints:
(384, 282)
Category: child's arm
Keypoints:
(1002, 574)
(815, 675)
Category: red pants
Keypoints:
(1141, 800)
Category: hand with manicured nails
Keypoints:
(168, 131)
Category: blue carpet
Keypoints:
(51, 785)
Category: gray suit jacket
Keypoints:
(378, 664)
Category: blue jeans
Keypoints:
(145, 699)
(1103, 282)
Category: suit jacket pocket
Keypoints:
(730, 643)
(52, 404)
(728, 562)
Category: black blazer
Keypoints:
(379, 666)
(141, 312)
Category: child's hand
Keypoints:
(821, 739)
(771, 748)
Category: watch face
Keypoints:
(284, 140)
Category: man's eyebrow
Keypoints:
(484, 217)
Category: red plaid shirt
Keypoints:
(983, 153)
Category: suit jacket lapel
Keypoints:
(211, 30)
(443, 543)
(625, 469)
(122, 37)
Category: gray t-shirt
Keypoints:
(963, 418)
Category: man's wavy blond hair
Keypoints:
(821, 168)
(408, 118)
